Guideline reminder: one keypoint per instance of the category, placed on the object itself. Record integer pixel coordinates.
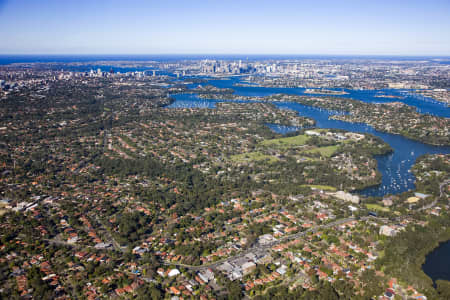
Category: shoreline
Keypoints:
(434, 247)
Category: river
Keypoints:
(395, 167)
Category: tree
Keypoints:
(234, 290)
(41, 289)
(443, 289)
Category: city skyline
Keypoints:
(213, 27)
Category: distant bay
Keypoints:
(394, 167)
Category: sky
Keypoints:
(321, 27)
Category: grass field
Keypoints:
(253, 156)
(324, 151)
(286, 142)
(377, 207)
(320, 187)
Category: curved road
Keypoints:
(441, 195)
(260, 248)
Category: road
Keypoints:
(110, 238)
(257, 249)
(441, 195)
(58, 242)
(261, 249)
(441, 188)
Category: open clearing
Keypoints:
(298, 140)
(377, 207)
(253, 156)
(324, 151)
(320, 187)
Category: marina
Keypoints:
(394, 167)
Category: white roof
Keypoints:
(248, 264)
(174, 272)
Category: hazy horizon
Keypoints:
(293, 55)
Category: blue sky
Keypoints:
(369, 27)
